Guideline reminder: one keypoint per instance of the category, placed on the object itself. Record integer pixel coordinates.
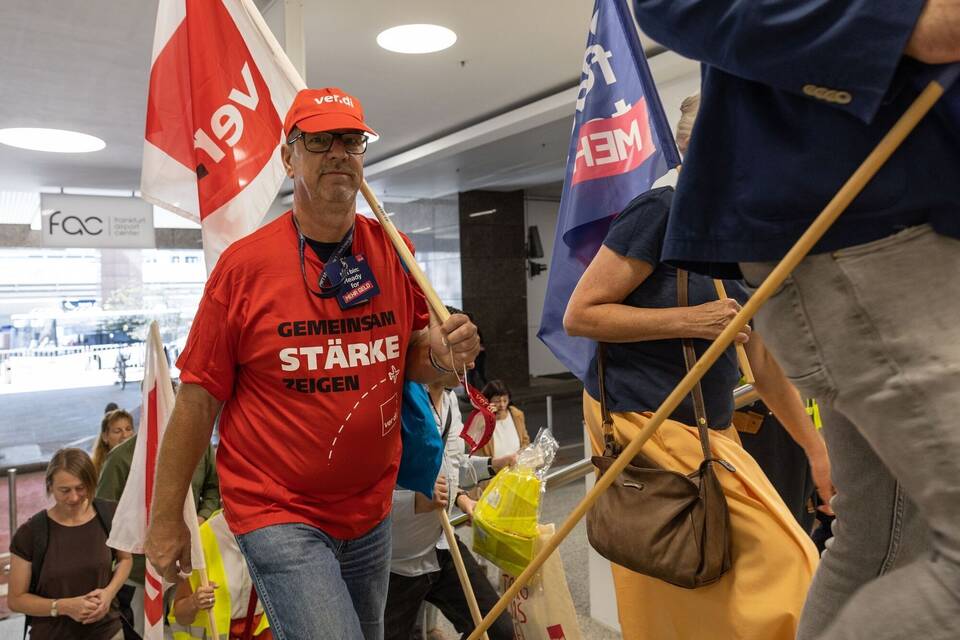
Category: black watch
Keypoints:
(490, 468)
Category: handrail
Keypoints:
(66, 351)
(12, 499)
(742, 396)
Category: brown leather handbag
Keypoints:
(658, 522)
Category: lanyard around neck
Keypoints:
(326, 289)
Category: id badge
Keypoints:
(359, 285)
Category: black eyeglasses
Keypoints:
(321, 142)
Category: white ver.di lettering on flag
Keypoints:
(219, 86)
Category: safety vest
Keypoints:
(813, 410)
(217, 572)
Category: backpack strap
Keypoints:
(40, 533)
(448, 423)
(690, 359)
(39, 524)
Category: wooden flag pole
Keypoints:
(436, 305)
(462, 571)
(850, 190)
(745, 367)
(440, 311)
(211, 619)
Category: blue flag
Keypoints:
(621, 144)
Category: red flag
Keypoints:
(133, 511)
(481, 423)
(219, 87)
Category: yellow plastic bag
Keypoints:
(505, 519)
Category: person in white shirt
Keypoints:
(510, 435)
(421, 566)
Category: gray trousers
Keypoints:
(873, 333)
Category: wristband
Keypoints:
(490, 468)
(436, 364)
(53, 609)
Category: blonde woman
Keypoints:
(115, 428)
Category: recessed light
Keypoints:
(51, 140)
(416, 38)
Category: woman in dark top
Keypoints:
(79, 575)
(627, 298)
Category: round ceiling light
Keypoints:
(416, 38)
(51, 140)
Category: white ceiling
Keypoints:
(493, 111)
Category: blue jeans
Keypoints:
(873, 333)
(314, 586)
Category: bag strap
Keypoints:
(609, 442)
(40, 534)
(690, 359)
(39, 524)
(251, 609)
(449, 421)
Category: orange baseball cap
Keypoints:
(326, 109)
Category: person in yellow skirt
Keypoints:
(627, 298)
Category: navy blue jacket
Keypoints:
(795, 95)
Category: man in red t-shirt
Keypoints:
(304, 336)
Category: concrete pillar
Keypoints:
(493, 263)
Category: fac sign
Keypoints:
(96, 222)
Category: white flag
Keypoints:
(220, 86)
(133, 511)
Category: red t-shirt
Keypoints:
(310, 428)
